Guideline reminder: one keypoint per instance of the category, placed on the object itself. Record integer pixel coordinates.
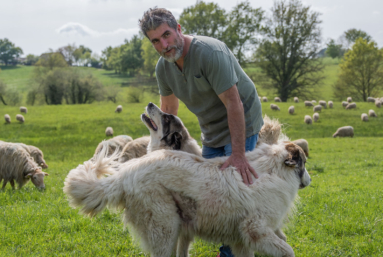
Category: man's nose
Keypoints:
(164, 43)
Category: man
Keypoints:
(204, 74)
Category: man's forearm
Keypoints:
(236, 121)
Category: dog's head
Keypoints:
(166, 130)
(296, 159)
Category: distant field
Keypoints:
(339, 214)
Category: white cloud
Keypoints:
(78, 29)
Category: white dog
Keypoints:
(169, 197)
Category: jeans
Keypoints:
(210, 152)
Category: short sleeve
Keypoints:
(220, 71)
(163, 87)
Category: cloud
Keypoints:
(78, 29)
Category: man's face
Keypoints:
(167, 41)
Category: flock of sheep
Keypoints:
(346, 131)
(19, 117)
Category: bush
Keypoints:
(13, 96)
(135, 95)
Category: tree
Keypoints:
(31, 59)
(244, 25)
(81, 54)
(288, 54)
(206, 19)
(68, 53)
(352, 35)
(334, 50)
(150, 56)
(361, 71)
(106, 53)
(8, 51)
(52, 60)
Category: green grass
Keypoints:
(339, 214)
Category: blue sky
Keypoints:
(39, 25)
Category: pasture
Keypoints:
(339, 214)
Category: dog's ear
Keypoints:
(176, 139)
(294, 155)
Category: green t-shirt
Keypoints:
(210, 68)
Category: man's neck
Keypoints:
(180, 61)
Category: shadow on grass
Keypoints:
(9, 67)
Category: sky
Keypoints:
(40, 25)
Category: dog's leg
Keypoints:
(184, 241)
(239, 250)
(280, 234)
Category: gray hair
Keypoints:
(153, 18)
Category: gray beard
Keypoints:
(179, 48)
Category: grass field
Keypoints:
(339, 214)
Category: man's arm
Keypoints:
(169, 104)
(236, 120)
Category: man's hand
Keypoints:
(243, 167)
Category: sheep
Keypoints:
(330, 104)
(308, 104)
(323, 103)
(117, 142)
(378, 103)
(134, 149)
(313, 101)
(346, 131)
(277, 99)
(264, 99)
(351, 106)
(372, 113)
(317, 108)
(260, 99)
(349, 99)
(16, 164)
(316, 117)
(7, 118)
(35, 153)
(302, 143)
(20, 118)
(274, 107)
(364, 117)
(23, 109)
(118, 109)
(296, 99)
(371, 99)
(109, 131)
(291, 109)
(344, 104)
(308, 119)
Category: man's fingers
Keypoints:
(244, 177)
(224, 166)
(248, 173)
(253, 172)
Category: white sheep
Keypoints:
(323, 103)
(7, 118)
(118, 109)
(346, 131)
(264, 99)
(316, 117)
(35, 153)
(20, 118)
(330, 104)
(372, 113)
(351, 106)
(313, 101)
(17, 165)
(378, 103)
(296, 99)
(274, 107)
(109, 131)
(302, 143)
(134, 149)
(371, 99)
(291, 109)
(277, 99)
(308, 104)
(317, 108)
(364, 117)
(23, 109)
(308, 119)
(117, 142)
(349, 99)
(344, 103)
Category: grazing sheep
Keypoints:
(349, 99)
(23, 109)
(330, 104)
(372, 113)
(7, 118)
(296, 99)
(364, 117)
(260, 98)
(117, 142)
(274, 107)
(291, 109)
(351, 106)
(118, 109)
(316, 117)
(308, 119)
(277, 99)
(264, 99)
(313, 101)
(378, 103)
(346, 131)
(20, 118)
(371, 99)
(302, 143)
(16, 164)
(344, 103)
(109, 131)
(323, 103)
(317, 108)
(35, 153)
(308, 104)
(134, 149)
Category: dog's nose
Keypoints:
(150, 104)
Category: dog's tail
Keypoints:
(84, 188)
(271, 132)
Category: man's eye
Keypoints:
(167, 34)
